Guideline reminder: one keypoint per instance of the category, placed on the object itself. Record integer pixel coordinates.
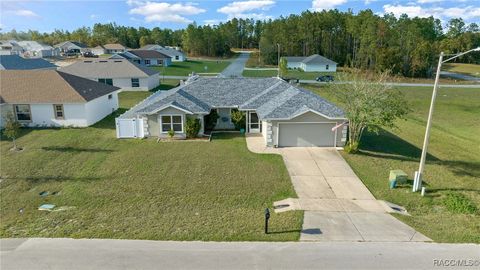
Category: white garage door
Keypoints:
(306, 134)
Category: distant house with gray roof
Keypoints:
(174, 52)
(311, 63)
(16, 62)
(117, 72)
(10, 47)
(145, 57)
(284, 114)
(36, 49)
(72, 46)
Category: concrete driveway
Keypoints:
(235, 69)
(337, 205)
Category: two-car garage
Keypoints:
(308, 130)
(306, 134)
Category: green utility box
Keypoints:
(398, 176)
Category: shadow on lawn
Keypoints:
(73, 149)
(56, 178)
(389, 146)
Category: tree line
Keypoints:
(406, 46)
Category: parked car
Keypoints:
(325, 78)
(70, 53)
(89, 55)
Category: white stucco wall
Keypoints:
(100, 107)
(319, 68)
(146, 83)
(153, 81)
(293, 65)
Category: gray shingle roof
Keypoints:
(272, 98)
(108, 68)
(145, 54)
(15, 62)
(312, 59)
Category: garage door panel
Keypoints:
(306, 134)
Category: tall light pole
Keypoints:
(417, 183)
(278, 60)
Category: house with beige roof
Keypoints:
(117, 72)
(110, 48)
(49, 98)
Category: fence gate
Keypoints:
(126, 128)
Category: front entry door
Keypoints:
(254, 124)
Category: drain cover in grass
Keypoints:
(46, 207)
(43, 193)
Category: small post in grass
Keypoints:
(267, 217)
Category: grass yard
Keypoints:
(141, 189)
(291, 74)
(468, 69)
(450, 211)
(197, 66)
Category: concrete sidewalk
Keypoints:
(337, 205)
(106, 254)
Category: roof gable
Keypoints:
(108, 68)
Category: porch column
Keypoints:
(247, 120)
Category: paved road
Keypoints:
(235, 69)
(460, 76)
(405, 84)
(82, 254)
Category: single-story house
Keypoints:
(117, 72)
(72, 46)
(109, 48)
(37, 49)
(176, 54)
(311, 63)
(10, 47)
(16, 62)
(284, 114)
(52, 98)
(151, 58)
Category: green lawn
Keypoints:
(198, 66)
(453, 166)
(468, 69)
(141, 189)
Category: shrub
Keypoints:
(458, 203)
(192, 127)
(171, 133)
(351, 148)
(12, 129)
(211, 120)
(238, 119)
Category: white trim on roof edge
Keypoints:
(173, 106)
(309, 110)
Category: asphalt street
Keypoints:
(84, 254)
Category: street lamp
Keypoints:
(278, 60)
(417, 183)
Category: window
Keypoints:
(58, 111)
(326, 67)
(135, 82)
(176, 57)
(136, 61)
(147, 62)
(106, 81)
(22, 112)
(172, 122)
(110, 96)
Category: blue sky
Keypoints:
(47, 15)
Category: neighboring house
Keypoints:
(284, 114)
(117, 72)
(110, 48)
(151, 58)
(174, 52)
(52, 98)
(311, 63)
(72, 46)
(15, 62)
(36, 49)
(10, 47)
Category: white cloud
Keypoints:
(244, 9)
(467, 12)
(93, 16)
(212, 22)
(429, 1)
(319, 5)
(164, 12)
(25, 13)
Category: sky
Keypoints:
(48, 15)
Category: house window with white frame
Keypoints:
(326, 67)
(22, 112)
(172, 122)
(58, 111)
(135, 82)
(177, 57)
(147, 62)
